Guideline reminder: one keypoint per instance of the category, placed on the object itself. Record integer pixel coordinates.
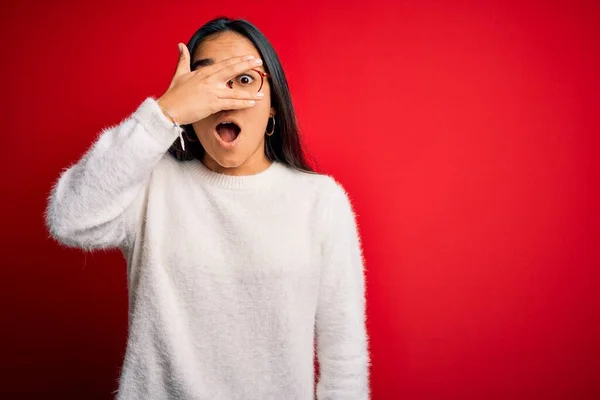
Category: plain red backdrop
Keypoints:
(465, 132)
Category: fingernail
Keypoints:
(252, 102)
(258, 61)
(260, 94)
(248, 57)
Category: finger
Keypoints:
(183, 66)
(231, 71)
(234, 104)
(209, 70)
(239, 94)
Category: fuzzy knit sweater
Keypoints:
(232, 280)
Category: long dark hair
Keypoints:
(284, 145)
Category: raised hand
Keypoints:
(194, 95)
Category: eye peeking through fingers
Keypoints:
(244, 80)
(251, 80)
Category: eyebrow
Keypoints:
(203, 62)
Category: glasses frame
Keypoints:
(262, 74)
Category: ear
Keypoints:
(272, 112)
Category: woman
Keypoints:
(238, 254)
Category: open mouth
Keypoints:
(228, 131)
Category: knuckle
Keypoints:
(202, 74)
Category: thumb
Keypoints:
(183, 66)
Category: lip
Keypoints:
(222, 143)
(229, 118)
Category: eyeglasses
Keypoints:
(251, 80)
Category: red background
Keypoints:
(465, 132)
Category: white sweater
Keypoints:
(229, 277)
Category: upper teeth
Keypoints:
(227, 122)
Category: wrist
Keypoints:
(165, 110)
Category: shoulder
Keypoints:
(330, 197)
(331, 191)
(324, 189)
(168, 168)
(325, 184)
(338, 222)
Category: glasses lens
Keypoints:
(249, 81)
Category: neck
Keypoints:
(252, 166)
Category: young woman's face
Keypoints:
(248, 147)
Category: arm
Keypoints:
(342, 342)
(96, 203)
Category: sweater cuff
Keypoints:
(151, 117)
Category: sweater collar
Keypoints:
(263, 178)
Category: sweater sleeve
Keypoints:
(96, 203)
(342, 342)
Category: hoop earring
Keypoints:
(272, 130)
